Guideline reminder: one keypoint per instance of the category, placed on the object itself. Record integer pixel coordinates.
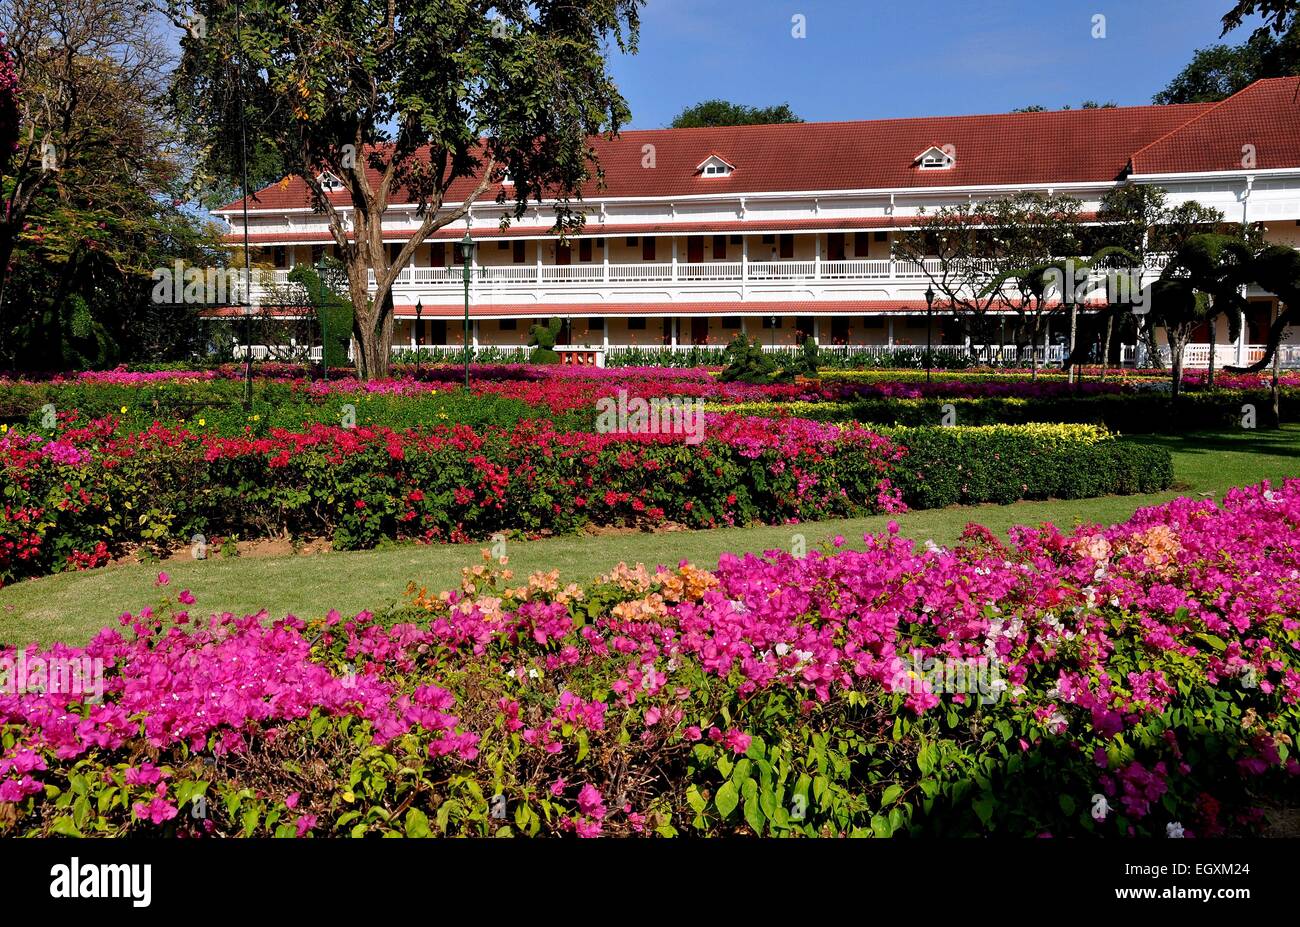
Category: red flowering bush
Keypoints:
(1133, 680)
(92, 486)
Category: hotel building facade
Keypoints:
(787, 231)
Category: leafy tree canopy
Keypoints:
(723, 113)
(1219, 71)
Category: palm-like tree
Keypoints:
(1205, 279)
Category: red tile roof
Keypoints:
(1008, 148)
(1265, 116)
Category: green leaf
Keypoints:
(891, 795)
(65, 828)
(697, 801)
(754, 816)
(726, 799)
(417, 823)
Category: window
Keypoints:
(714, 166)
(935, 158)
(518, 255)
(278, 256)
(694, 249)
(329, 183)
(769, 239)
(636, 324)
(503, 246)
(839, 329)
(596, 324)
(735, 239)
(873, 322)
(437, 331)
(835, 246)
(881, 236)
(317, 253)
(509, 325)
(804, 326)
(648, 249)
(438, 254)
(731, 322)
(631, 242)
(861, 244)
(719, 247)
(787, 247)
(584, 250)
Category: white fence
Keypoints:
(1197, 356)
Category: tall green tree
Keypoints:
(400, 99)
(1218, 71)
(723, 113)
(89, 75)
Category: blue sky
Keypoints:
(868, 59)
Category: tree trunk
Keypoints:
(1275, 394)
(1176, 363)
(1033, 351)
(1147, 334)
(1074, 330)
(1105, 347)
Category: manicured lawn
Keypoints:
(72, 606)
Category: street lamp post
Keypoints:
(419, 332)
(320, 318)
(929, 312)
(466, 250)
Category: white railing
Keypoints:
(1197, 356)
(758, 272)
(287, 352)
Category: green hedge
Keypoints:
(1002, 464)
(1130, 413)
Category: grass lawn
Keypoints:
(72, 606)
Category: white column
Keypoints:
(891, 331)
(817, 330)
(674, 257)
(744, 264)
(604, 322)
(539, 260)
(474, 332)
(604, 259)
(674, 332)
(817, 255)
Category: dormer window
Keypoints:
(714, 166)
(329, 183)
(935, 158)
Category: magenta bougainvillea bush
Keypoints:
(1140, 679)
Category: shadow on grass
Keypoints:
(1274, 442)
